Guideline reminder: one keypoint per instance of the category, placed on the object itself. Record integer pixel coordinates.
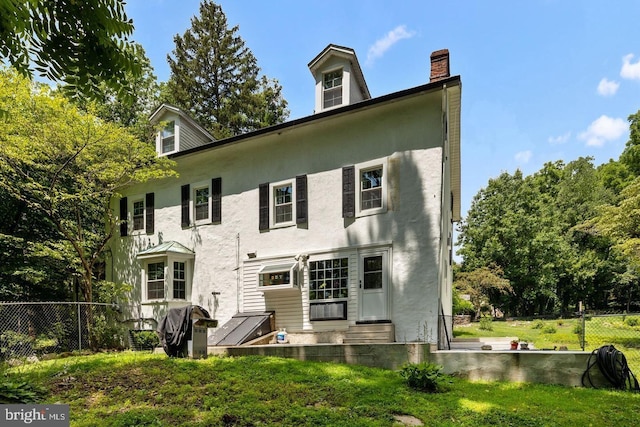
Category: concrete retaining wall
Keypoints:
(549, 367)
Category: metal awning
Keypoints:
(165, 249)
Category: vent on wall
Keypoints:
(328, 311)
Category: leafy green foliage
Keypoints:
(66, 166)
(215, 77)
(484, 286)
(486, 323)
(12, 392)
(145, 340)
(461, 306)
(424, 377)
(82, 43)
(532, 229)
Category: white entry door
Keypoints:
(373, 286)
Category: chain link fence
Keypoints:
(622, 330)
(32, 329)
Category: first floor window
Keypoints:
(202, 203)
(179, 281)
(371, 188)
(138, 215)
(155, 280)
(329, 279)
(283, 198)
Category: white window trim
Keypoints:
(192, 203)
(359, 168)
(131, 201)
(272, 204)
(294, 276)
(176, 137)
(342, 87)
(168, 277)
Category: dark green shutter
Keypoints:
(149, 213)
(348, 192)
(124, 226)
(301, 199)
(263, 221)
(216, 200)
(184, 203)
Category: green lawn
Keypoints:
(623, 333)
(141, 389)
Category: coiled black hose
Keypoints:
(613, 366)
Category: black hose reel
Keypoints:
(614, 368)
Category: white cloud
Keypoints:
(603, 129)
(523, 156)
(560, 139)
(608, 87)
(382, 45)
(630, 70)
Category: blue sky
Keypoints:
(542, 80)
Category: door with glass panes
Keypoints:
(373, 286)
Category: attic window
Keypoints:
(169, 137)
(332, 89)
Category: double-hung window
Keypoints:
(155, 280)
(168, 138)
(371, 188)
(201, 203)
(332, 89)
(283, 203)
(138, 215)
(179, 280)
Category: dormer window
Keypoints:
(169, 137)
(332, 89)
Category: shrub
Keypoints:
(144, 340)
(577, 329)
(20, 392)
(538, 324)
(461, 306)
(486, 323)
(632, 321)
(425, 377)
(549, 329)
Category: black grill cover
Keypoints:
(175, 328)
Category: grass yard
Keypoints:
(622, 332)
(142, 389)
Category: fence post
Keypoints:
(79, 328)
(583, 331)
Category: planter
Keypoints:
(524, 346)
(514, 345)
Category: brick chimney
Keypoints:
(439, 65)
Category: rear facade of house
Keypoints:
(334, 220)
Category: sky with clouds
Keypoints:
(542, 80)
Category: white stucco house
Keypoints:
(331, 221)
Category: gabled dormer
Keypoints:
(339, 78)
(180, 131)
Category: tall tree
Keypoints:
(80, 43)
(66, 166)
(216, 78)
(133, 111)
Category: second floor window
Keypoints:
(138, 215)
(371, 188)
(283, 198)
(202, 203)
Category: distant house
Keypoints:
(335, 220)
